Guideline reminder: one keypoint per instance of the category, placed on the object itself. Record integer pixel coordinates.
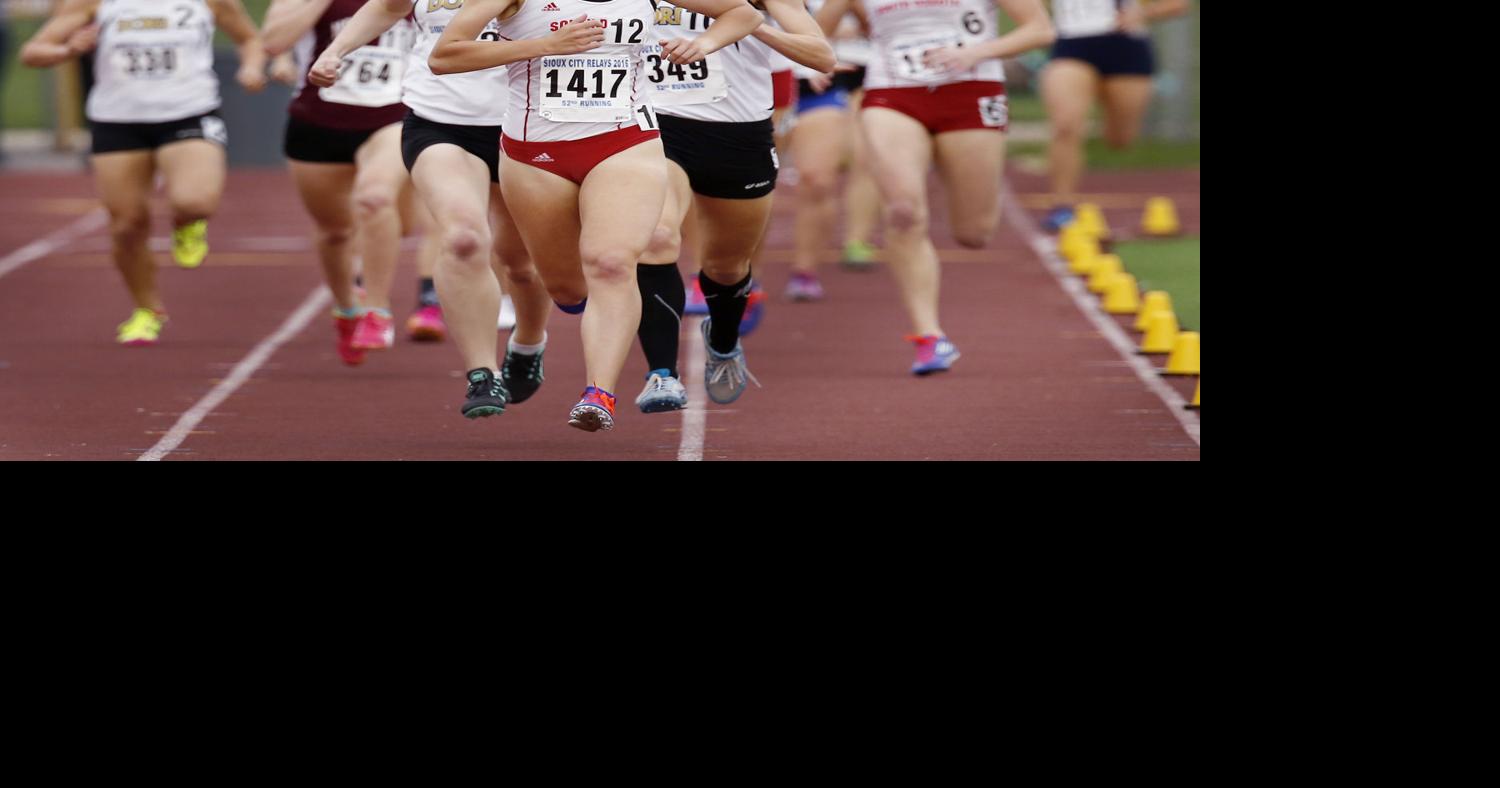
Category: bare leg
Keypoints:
(124, 181)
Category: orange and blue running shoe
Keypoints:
(696, 303)
(934, 354)
(346, 325)
(595, 412)
(755, 309)
(426, 324)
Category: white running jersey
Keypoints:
(477, 98)
(1081, 18)
(155, 62)
(904, 31)
(732, 86)
(574, 97)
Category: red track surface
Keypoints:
(1036, 380)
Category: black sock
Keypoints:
(662, 300)
(726, 306)
(427, 292)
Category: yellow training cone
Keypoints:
(1123, 297)
(1160, 218)
(1184, 358)
(1092, 220)
(1069, 239)
(1086, 258)
(1161, 334)
(1197, 392)
(1156, 301)
(1105, 267)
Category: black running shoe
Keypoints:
(487, 395)
(522, 375)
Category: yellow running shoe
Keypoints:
(190, 244)
(142, 329)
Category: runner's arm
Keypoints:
(367, 24)
(833, 12)
(289, 20)
(799, 38)
(69, 33)
(459, 51)
(733, 20)
(231, 17)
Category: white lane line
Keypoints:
(1116, 336)
(695, 418)
(38, 249)
(316, 302)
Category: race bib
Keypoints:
(679, 86)
(908, 56)
(370, 77)
(145, 62)
(587, 89)
(994, 112)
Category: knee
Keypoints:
(611, 266)
(976, 236)
(335, 236)
(131, 226)
(564, 293)
(195, 206)
(372, 199)
(464, 244)
(977, 232)
(906, 216)
(517, 267)
(1068, 130)
(730, 269)
(817, 185)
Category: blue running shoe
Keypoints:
(663, 393)
(934, 354)
(725, 376)
(755, 310)
(1060, 217)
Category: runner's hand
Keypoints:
(284, 69)
(84, 39)
(1132, 19)
(252, 77)
(577, 36)
(325, 72)
(952, 59)
(683, 51)
(820, 83)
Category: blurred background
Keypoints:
(41, 116)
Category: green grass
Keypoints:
(24, 90)
(1172, 265)
(1148, 154)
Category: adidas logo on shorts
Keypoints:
(552, 7)
(543, 159)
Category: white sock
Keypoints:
(526, 350)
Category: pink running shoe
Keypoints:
(375, 332)
(426, 325)
(348, 353)
(804, 288)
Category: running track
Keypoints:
(1038, 380)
